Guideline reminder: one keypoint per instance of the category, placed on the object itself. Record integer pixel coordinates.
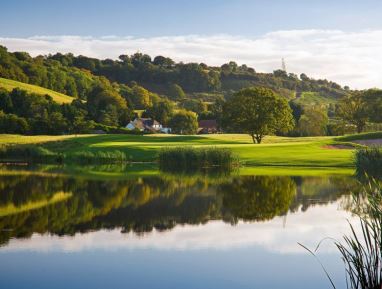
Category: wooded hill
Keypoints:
(76, 75)
(108, 92)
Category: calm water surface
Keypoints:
(107, 230)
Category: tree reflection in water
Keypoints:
(33, 203)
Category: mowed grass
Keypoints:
(57, 97)
(275, 151)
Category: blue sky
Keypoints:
(334, 39)
(147, 18)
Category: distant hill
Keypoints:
(9, 85)
(142, 80)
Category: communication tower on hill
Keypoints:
(283, 65)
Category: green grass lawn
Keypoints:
(57, 97)
(275, 151)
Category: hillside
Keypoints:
(77, 75)
(112, 92)
(314, 99)
(9, 85)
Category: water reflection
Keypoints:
(61, 205)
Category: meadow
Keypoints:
(9, 85)
(274, 151)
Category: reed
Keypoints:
(361, 251)
(368, 161)
(96, 157)
(39, 154)
(29, 153)
(188, 159)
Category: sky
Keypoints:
(339, 40)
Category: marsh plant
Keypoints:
(361, 250)
(40, 154)
(30, 153)
(96, 157)
(183, 159)
(369, 161)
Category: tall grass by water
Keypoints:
(179, 159)
(39, 154)
(96, 157)
(368, 161)
(361, 250)
(30, 153)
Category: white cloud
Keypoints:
(352, 59)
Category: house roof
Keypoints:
(210, 123)
(143, 123)
(150, 122)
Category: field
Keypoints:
(313, 99)
(57, 97)
(275, 151)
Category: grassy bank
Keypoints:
(9, 85)
(275, 151)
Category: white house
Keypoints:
(147, 124)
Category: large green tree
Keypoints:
(257, 111)
(161, 111)
(184, 122)
(354, 109)
(373, 98)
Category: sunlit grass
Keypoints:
(276, 151)
(7, 139)
(57, 97)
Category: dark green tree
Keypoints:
(195, 105)
(161, 111)
(354, 109)
(313, 122)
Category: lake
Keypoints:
(128, 227)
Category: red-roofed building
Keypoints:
(208, 126)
